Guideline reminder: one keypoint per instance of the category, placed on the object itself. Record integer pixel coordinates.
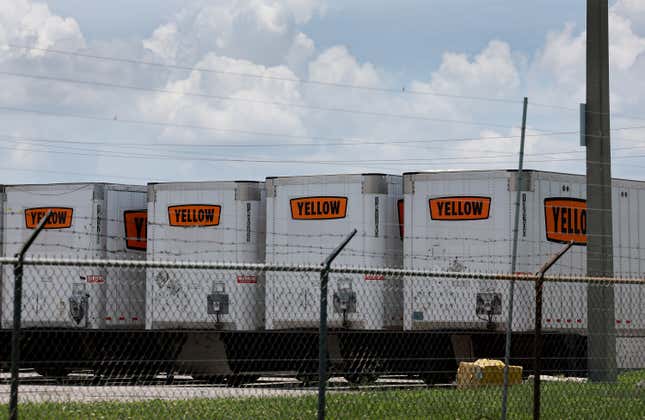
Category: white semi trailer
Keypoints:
(463, 221)
(206, 221)
(87, 221)
(307, 217)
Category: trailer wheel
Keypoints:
(211, 379)
(361, 379)
(436, 378)
(362, 367)
(216, 380)
(53, 373)
(307, 379)
(234, 381)
(145, 378)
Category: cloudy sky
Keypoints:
(132, 92)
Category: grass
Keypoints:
(621, 400)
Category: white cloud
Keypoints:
(248, 109)
(625, 45)
(337, 65)
(25, 23)
(261, 31)
(563, 56)
(632, 9)
(301, 50)
(163, 42)
(491, 72)
(304, 10)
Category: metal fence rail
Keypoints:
(179, 338)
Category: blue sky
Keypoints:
(409, 36)
(465, 66)
(117, 18)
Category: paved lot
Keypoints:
(79, 388)
(35, 389)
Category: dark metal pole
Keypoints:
(600, 297)
(511, 292)
(537, 368)
(322, 333)
(17, 316)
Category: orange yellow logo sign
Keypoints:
(318, 208)
(460, 208)
(566, 220)
(194, 215)
(136, 229)
(60, 218)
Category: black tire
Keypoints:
(437, 378)
(57, 374)
(216, 380)
(234, 381)
(362, 367)
(211, 379)
(99, 380)
(145, 378)
(307, 379)
(361, 379)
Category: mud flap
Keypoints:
(462, 346)
(203, 354)
(333, 353)
(78, 303)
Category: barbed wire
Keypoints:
(313, 268)
(313, 237)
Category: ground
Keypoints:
(622, 400)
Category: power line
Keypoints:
(116, 119)
(403, 90)
(250, 100)
(346, 143)
(281, 104)
(366, 164)
(200, 158)
(110, 144)
(572, 109)
(39, 170)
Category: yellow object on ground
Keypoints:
(486, 372)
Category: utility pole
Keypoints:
(511, 292)
(600, 297)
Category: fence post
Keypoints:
(539, 282)
(322, 332)
(17, 316)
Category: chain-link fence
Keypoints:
(116, 338)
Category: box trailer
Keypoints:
(87, 221)
(463, 221)
(307, 217)
(206, 221)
